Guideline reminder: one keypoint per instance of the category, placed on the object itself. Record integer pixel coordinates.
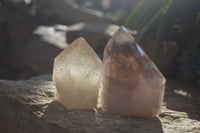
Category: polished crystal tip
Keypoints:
(131, 85)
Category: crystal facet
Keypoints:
(76, 75)
(131, 85)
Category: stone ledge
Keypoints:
(28, 107)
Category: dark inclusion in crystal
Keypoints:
(131, 85)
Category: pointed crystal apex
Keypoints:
(130, 83)
(122, 28)
(76, 76)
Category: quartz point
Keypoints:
(76, 75)
(131, 85)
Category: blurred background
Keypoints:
(34, 32)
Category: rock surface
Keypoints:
(71, 13)
(97, 35)
(28, 106)
(45, 44)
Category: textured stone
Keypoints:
(23, 104)
(71, 13)
(76, 75)
(28, 107)
(131, 83)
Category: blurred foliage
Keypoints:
(171, 20)
(142, 13)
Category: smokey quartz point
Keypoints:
(76, 75)
(131, 85)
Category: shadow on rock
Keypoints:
(89, 121)
(17, 117)
(183, 97)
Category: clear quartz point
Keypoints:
(76, 75)
(131, 85)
